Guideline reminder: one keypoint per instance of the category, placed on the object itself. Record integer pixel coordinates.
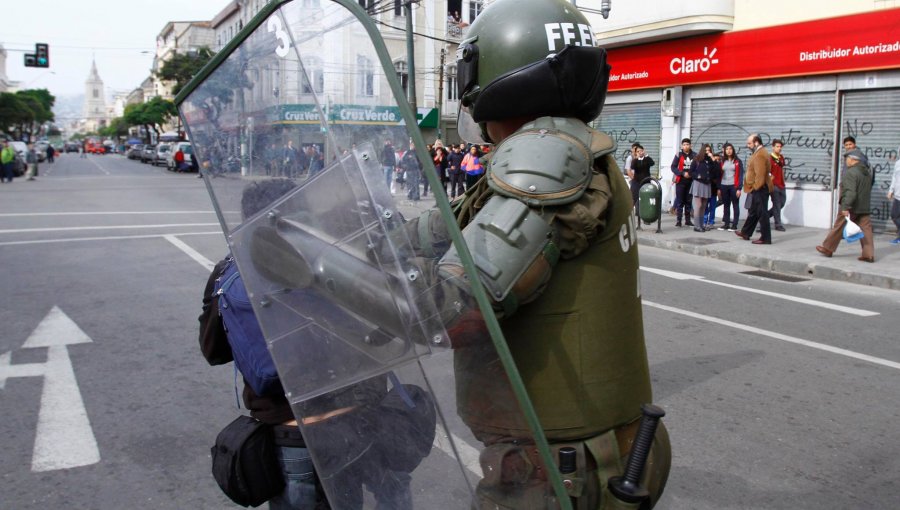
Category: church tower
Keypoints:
(94, 110)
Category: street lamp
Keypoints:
(39, 77)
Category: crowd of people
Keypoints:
(707, 179)
(458, 166)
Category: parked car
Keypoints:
(134, 152)
(170, 157)
(162, 151)
(19, 161)
(73, 147)
(148, 154)
(40, 149)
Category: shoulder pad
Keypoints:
(547, 161)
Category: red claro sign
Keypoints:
(850, 43)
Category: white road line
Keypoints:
(778, 336)
(811, 302)
(98, 213)
(100, 227)
(192, 253)
(98, 166)
(105, 238)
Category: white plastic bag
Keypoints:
(852, 232)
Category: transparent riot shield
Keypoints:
(395, 367)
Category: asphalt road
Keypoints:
(773, 402)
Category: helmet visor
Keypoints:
(468, 129)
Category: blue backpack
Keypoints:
(248, 346)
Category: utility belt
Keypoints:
(515, 477)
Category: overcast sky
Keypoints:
(114, 32)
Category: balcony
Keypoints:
(456, 31)
(632, 23)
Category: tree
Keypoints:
(184, 66)
(117, 127)
(14, 112)
(152, 114)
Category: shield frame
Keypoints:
(442, 202)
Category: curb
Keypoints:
(778, 265)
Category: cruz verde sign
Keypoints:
(349, 114)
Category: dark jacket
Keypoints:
(641, 168)
(388, 156)
(704, 170)
(679, 164)
(454, 162)
(856, 189)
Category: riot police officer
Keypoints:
(530, 77)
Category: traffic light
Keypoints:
(42, 51)
(40, 57)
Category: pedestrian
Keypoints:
(8, 160)
(439, 156)
(289, 160)
(629, 158)
(83, 153)
(639, 170)
(388, 162)
(31, 160)
(715, 180)
(855, 205)
(849, 143)
(730, 189)
(779, 195)
(471, 164)
(270, 407)
(179, 160)
(702, 168)
(412, 171)
(50, 153)
(681, 166)
(455, 172)
(894, 198)
(757, 186)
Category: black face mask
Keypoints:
(572, 83)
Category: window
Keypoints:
(398, 7)
(402, 74)
(369, 5)
(475, 8)
(451, 84)
(96, 93)
(366, 77)
(313, 77)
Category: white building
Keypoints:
(94, 110)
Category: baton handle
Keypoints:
(628, 488)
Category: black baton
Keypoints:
(627, 488)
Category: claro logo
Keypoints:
(681, 65)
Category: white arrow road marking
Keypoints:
(805, 301)
(64, 437)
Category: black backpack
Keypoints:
(245, 464)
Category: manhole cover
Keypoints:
(776, 276)
(701, 240)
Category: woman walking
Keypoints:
(472, 166)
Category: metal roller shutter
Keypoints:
(629, 123)
(804, 122)
(873, 118)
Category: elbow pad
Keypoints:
(513, 251)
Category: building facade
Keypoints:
(716, 71)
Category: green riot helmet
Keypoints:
(529, 58)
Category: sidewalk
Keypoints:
(791, 252)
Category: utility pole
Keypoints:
(440, 100)
(410, 56)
